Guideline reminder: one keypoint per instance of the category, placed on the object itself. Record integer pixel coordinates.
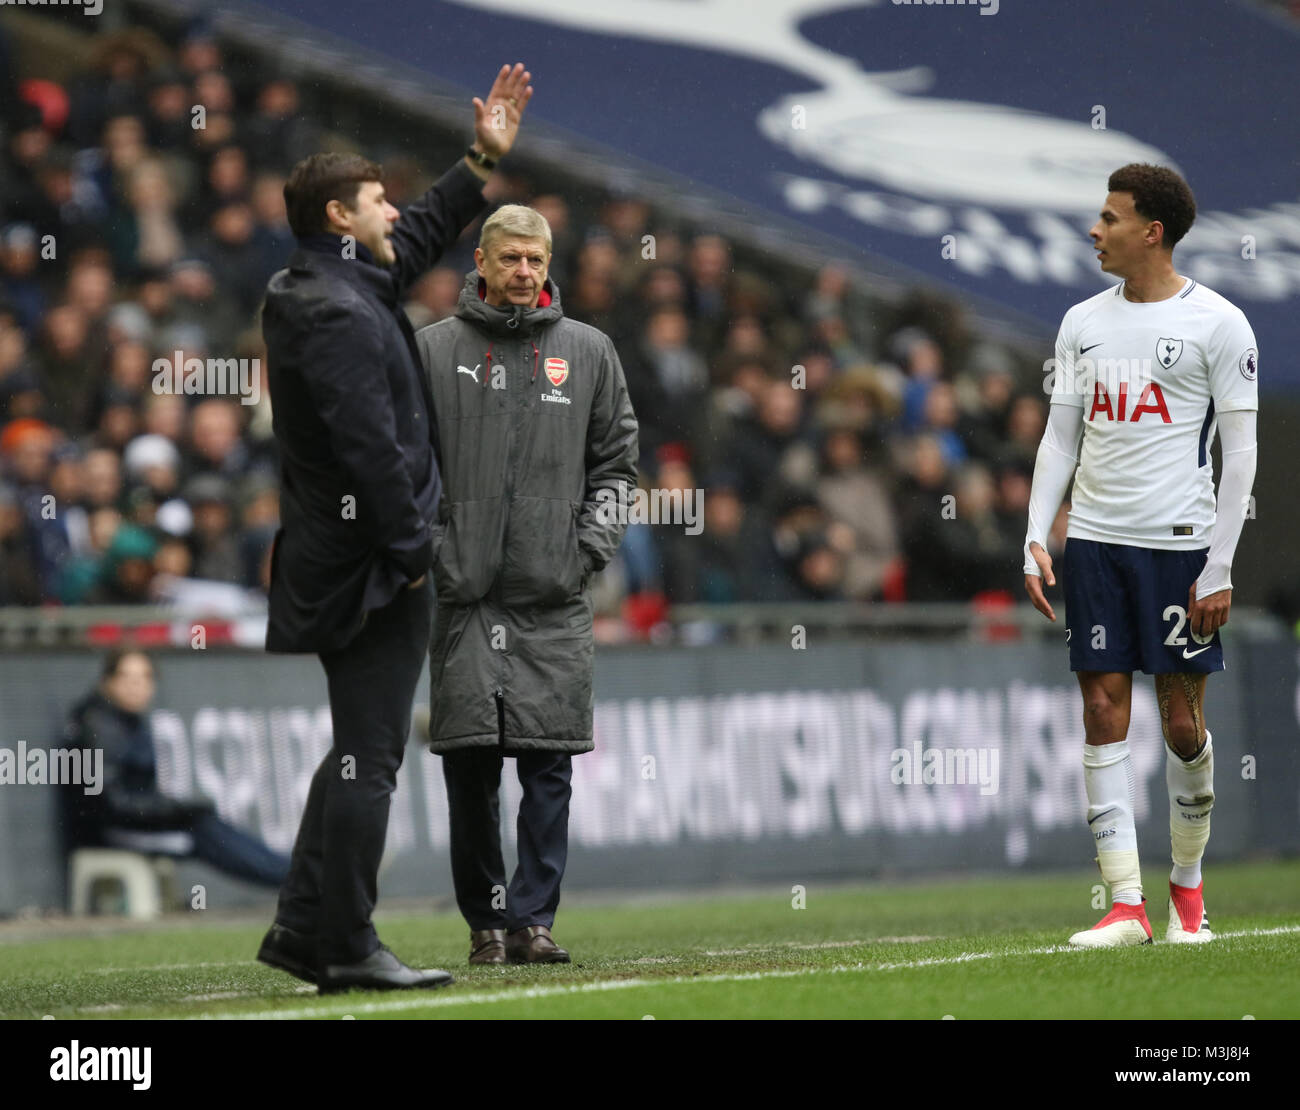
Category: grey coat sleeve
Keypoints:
(611, 464)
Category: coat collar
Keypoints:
(499, 320)
(323, 254)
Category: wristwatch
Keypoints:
(481, 159)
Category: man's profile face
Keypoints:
(1120, 234)
(514, 270)
(370, 221)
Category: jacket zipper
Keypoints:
(499, 694)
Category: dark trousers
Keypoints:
(473, 784)
(331, 889)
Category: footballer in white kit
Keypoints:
(1147, 373)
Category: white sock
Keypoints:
(1191, 799)
(1108, 779)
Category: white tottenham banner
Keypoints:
(713, 765)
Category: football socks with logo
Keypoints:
(1109, 782)
(1191, 798)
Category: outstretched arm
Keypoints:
(429, 226)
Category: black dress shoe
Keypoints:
(380, 971)
(289, 950)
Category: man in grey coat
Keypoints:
(539, 448)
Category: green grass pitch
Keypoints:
(982, 947)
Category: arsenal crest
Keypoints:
(1168, 351)
(557, 370)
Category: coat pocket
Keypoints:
(468, 551)
(542, 565)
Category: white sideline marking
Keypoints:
(218, 996)
(419, 1000)
(749, 949)
(171, 967)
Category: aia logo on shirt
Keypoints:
(1151, 400)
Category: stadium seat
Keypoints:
(145, 881)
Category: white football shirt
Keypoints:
(1151, 379)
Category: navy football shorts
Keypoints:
(1126, 609)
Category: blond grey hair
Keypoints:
(515, 220)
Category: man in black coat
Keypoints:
(360, 488)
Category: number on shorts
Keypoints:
(1174, 639)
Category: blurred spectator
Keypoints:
(727, 570)
(19, 581)
(130, 811)
(28, 450)
(709, 276)
(809, 551)
(143, 232)
(114, 84)
(278, 135)
(20, 387)
(102, 479)
(1026, 419)
(126, 570)
(154, 462)
(215, 443)
(764, 442)
(926, 505)
(666, 380)
(234, 257)
(168, 118)
(19, 287)
(216, 551)
(856, 497)
(271, 235)
(984, 428)
(63, 356)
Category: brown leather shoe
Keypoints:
(533, 945)
(487, 946)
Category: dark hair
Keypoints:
(1158, 194)
(317, 180)
(113, 660)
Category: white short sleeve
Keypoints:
(1233, 364)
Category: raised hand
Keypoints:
(496, 121)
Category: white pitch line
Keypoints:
(171, 967)
(218, 996)
(421, 1000)
(750, 949)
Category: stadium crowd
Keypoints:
(847, 448)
